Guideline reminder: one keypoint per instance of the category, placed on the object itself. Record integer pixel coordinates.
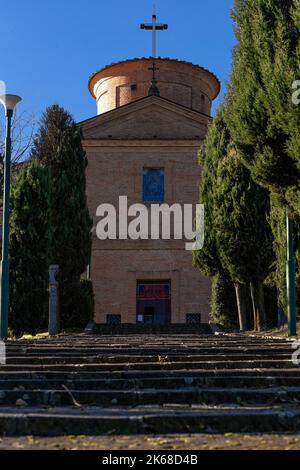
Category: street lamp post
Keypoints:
(9, 102)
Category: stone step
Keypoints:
(74, 373)
(167, 383)
(92, 421)
(118, 358)
(164, 365)
(179, 341)
(151, 382)
(149, 349)
(133, 398)
(148, 340)
(141, 352)
(171, 358)
(172, 329)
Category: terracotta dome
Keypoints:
(182, 82)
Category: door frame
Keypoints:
(153, 281)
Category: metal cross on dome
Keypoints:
(153, 90)
(154, 26)
(153, 69)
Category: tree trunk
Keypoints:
(258, 304)
(241, 301)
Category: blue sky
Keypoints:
(49, 48)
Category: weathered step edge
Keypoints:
(166, 423)
(134, 329)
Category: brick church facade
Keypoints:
(133, 142)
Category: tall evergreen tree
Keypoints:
(50, 137)
(278, 224)
(207, 260)
(244, 237)
(29, 248)
(262, 117)
(238, 210)
(58, 147)
(223, 302)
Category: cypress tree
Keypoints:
(58, 147)
(223, 302)
(263, 120)
(262, 117)
(29, 248)
(239, 235)
(244, 237)
(208, 260)
(278, 225)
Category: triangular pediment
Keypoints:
(151, 117)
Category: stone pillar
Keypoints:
(53, 300)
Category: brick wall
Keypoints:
(117, 265)
(128, 81)
(120, 143)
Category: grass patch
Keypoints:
(280, 332)
(44, 335)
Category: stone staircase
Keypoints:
(94, 385)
